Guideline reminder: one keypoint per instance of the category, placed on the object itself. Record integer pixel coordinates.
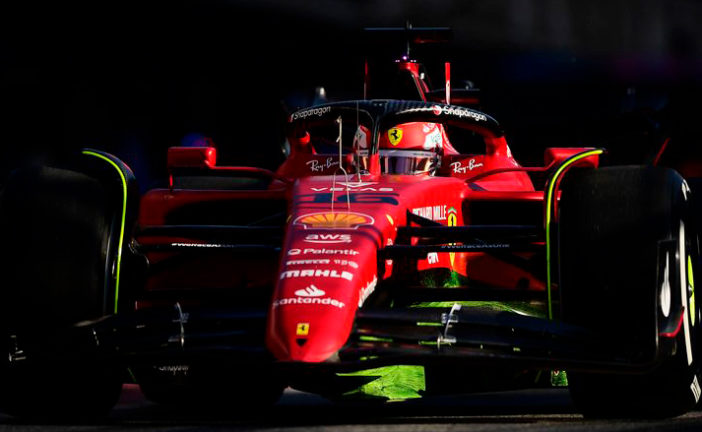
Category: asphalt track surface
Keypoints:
(532, 410)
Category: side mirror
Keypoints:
(555, 156)
(191, 157)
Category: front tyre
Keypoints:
(62, 229)
(629, 251)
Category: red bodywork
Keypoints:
(336, 225)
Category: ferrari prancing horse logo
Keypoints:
(303, 329)
(395, 136)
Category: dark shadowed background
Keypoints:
(134, 78)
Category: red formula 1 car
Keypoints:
(399, 251)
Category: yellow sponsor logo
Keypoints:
(451, 221)
(334, 220)
(303, 329)
(395, 136)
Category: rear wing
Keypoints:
(409, 35)
(407, 70)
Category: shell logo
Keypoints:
(329, 220)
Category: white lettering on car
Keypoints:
(432, 257)
(309, 262)
(310, 112)
(323, 251)
(367, 290)
(328, 301)
(435, 213)
(696, 390)
(318, 166)
(338, 189)
(449, 110)
(352, 264)
(460, 112)
(321, 273)
(354, 186)
(458, 167)
(472, 165)
(328, 238)
(311, 295)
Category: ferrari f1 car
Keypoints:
(377, 259)
(399, 251)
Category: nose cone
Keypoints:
(310, 328)
(328, 266)
(319, 289)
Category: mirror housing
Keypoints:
(191, 157)
(557, 155)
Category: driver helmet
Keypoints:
(196, 140)
(412, 148)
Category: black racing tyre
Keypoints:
(628, 253)
(58, 229)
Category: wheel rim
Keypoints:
(682, 261)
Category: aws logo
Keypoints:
(328, 238)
